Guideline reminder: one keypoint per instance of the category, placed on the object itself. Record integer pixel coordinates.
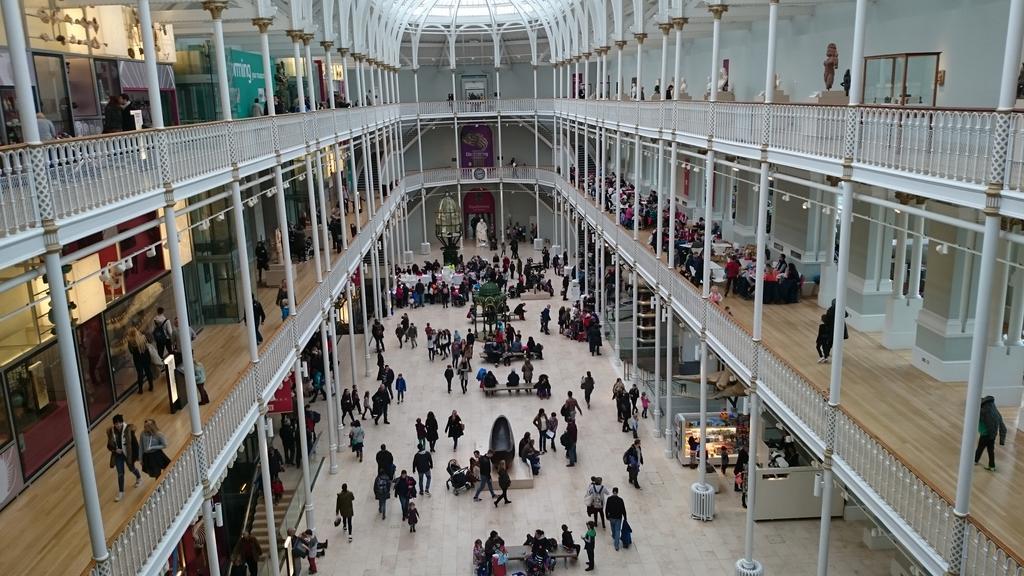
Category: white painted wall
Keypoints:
(435, 82)
(439, 148)
(969, 34)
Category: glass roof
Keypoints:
(517, 14)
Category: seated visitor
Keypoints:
(533, 349)
(543, 386)
(517, 346)
(513, 378)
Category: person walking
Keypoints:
(484, 463)
(124, 452)
(153, 442)
(385, 461)
(259, 316)
(138, 347)
(400, 387)
(412, 333)
(377, 331)
(413, 516)
(431, 426)
(571, 408)
(287, 433)
(448, 375)
(249, 551)
(545, 319)
(588, 388)
(162, 333)
(589, 541)
(504, 481)
(595, 496)
(405, 490)
(381, 492)
(615, 509)
(356, 436)
(388, 379)
(381, 399)
(454, 429)
(400, 334)
(422, 463)
(347, 406)
(633, 458)
(634, 395)
(540, 422)
(343, 510)
(990, 423)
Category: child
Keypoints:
(413, 515)
(277, 489)
(645, 402)
(716, 295)
(634, 423)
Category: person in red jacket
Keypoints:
(732, 271)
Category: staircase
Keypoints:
(259, 523)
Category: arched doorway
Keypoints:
(478, 203)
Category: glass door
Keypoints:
(54, 102)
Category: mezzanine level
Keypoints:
(938, 154)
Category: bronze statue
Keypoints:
(831, 63)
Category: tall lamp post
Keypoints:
(448, 228)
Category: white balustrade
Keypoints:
(811, 130)
(17, 209)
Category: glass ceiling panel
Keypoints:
(480, 11)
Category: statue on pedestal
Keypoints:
(831, 63)
(481, 233)
(682, 86)
(723, 80)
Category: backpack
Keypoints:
(625, 458)
(160, 332)
(565, 411)
(314, 416)
(564, 439)
(381, 486)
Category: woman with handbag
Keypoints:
(139, 347)
(154, 460)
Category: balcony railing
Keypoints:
(78, 175)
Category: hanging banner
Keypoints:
(282, 402)
(476, 147)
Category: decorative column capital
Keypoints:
(326, 45)
(295, 35)
(586, 55)
(263, 24)
(717, 10)
(665, 28)
(343, 52)
(215, 8)
(620, 44)
(640, 37)
(358, 57)
(306, 38)
(904, 198)
(678, 23)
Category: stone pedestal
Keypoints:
(1003, 369)
(722, 96)
(538, 244)
(425, 248)
(901, 323)
(833, 98)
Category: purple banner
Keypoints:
(476, 147)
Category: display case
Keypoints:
(726, 432)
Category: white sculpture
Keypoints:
(682, 86)
(481, 233)
(778, 83)
(708, 89)
(723, 80)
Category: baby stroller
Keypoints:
(458, 478)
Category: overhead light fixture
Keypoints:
(785, 197)
(898, 211)
(220, 217)
(151, 252)
(804, 206)
(942, 248)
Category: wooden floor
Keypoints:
(44, 531)
(918, 417)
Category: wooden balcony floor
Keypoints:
(919, 418)
(24, 525)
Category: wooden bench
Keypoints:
(522, 552)
(528, 388)
(506, 358)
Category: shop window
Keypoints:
(35, 390)
(6, 435)
(84, 108)
(108, 79)
(94, 366)
(20, 327)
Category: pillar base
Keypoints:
(702, 502)
(942, 348)
(752, 568)
(556, 250)
(1003, 368)
(538, 244)
(425, 248)
(407, 256)
(901, 323)
(866, 301)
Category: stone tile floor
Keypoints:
(666, 540)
